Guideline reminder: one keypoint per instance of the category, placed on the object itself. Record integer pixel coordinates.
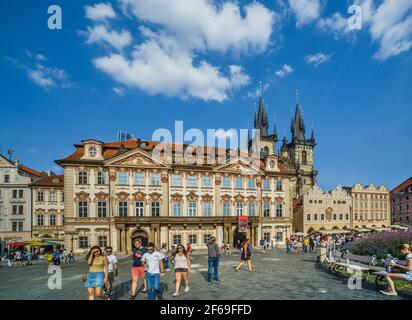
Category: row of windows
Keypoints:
(400, 219)
(52, 196)
(177, 209)
(401, 198)
(176, 180)
(400, 208)
(372, 196)
(321, 216)
(364, 205)
(52, 220)
(378, 216)
(17, 209)
(84, 242)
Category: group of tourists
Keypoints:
(22, 257)
(58, 256)
(150, 264)
(310, 243)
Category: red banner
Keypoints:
(242, 222)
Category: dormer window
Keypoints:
(272, 164)
(92, 151)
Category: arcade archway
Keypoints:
(140, 234)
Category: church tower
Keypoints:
(267, 143)
(299, 152)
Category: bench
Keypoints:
(349, 269)
(366, 260)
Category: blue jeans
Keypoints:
(212, 263)
(288, 248)
(305, 249)
(153, 285)
(166, 263)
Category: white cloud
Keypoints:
(317, 58)
(209, 26)
(40, 57)
(40, 78)
(258, 92)
(237, 77)
(389, 23)
(284, 71)
(391, 26)
(119, 91)
(336, 25)
(100, 11)
(161, 66)
(172, 57)
(306, 11)
(100, 34)
(42, 75)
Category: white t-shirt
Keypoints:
(112, 260)
(153, 261)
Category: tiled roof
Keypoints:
(402, 186)
(111, 149)
(50, 181)
(33, 172)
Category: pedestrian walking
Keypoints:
(98, 273)
(71, 256)
(29, 258)
(113, 269)
(182, 268)
(138, 268)
(56, 257)
(245, 256)
(165, 252)
(305, 244)
(173, 252)
(213, 260)
(311, 244)
(287, 242)
(154, 261)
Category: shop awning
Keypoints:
(361, 230)
(334, 231)
(299, 234)
(398, 227)
(17, 244)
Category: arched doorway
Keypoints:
(142, 235)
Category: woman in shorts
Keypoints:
(98, 273)
(182, 268)
(245, 255)
(406, 271)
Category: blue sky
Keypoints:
(101, 73)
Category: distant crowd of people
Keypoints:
(21, 257)
(312, 242)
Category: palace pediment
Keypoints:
(239, 166)
(137, 158)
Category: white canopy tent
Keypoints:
(398, 227)
(361, 230)
(334, 231)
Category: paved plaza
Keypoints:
(278, 276)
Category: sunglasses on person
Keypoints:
(150, 249)
(180, 248)
(108, 251)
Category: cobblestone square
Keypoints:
(277, 276)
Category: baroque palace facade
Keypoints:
(117, 192)
(344, 208)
